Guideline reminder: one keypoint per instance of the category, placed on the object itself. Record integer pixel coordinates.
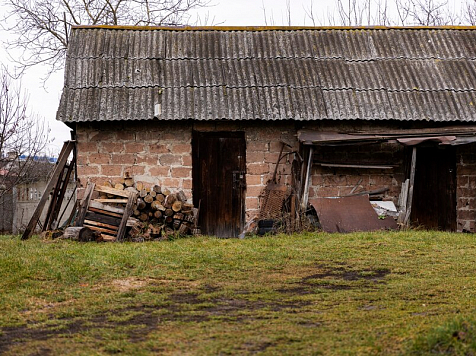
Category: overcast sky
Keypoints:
(44, 98)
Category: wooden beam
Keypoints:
(99, 224)
(406, 222)
(354, 166)
(68, 147)
(306, 180)
(83, 208)
(115, 201)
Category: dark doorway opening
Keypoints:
(434, 199)
(219, 165)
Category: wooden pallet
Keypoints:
(108, 220)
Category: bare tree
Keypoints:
(42, 26)
(402, 13)
(23, 138)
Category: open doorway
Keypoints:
(434, 195)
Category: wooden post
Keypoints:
(410, 190)
(306, 180)
(68, 147)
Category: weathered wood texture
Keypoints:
(219, 160)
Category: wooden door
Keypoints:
(219, 165)
(434, 200)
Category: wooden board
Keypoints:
(109, 190)
(101, 229)
(113, 201)
(99, 211)
(100, 224)
(106, 219)
(100, 206)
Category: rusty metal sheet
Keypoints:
(350, 214)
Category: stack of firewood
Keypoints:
(158, 213)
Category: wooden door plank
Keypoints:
(68, 147)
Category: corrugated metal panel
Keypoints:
(374, 74)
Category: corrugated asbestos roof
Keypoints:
(270, 74)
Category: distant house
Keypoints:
(204, 110)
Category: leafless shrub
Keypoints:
(23, 138)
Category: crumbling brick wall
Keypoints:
(161, 153)
(466, 188)
(151, 152)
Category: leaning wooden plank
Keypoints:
(68, 147)
(83, 208)
(109, 190)
(114, 201)
(127, 214)
(100, 224)
(100, 206)
(406, 222)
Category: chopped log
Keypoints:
(79, 233)
(139, 186)
(165, 191)
(169, 212)
(160, 198)
(148, 199)
(140, 204)
(119, 186)
(119, 181)
(107, 190)
(169, 200)
(128, 182)
(183, 229)
(143, 193)
(177, 224)
(181, 196)
(132, 222)
(158, 214)
(144, 217)
(177, 206)
(155, 205)
(136, 212)
(156, 188)
(178, 216)
(151, 214)
(107, 184)
(152, 194)
(169, 219)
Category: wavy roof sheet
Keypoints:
(115, 73)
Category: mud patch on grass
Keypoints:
(335, 278)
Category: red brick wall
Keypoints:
(160, 153)
(152, 153)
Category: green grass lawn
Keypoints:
(370, 293)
